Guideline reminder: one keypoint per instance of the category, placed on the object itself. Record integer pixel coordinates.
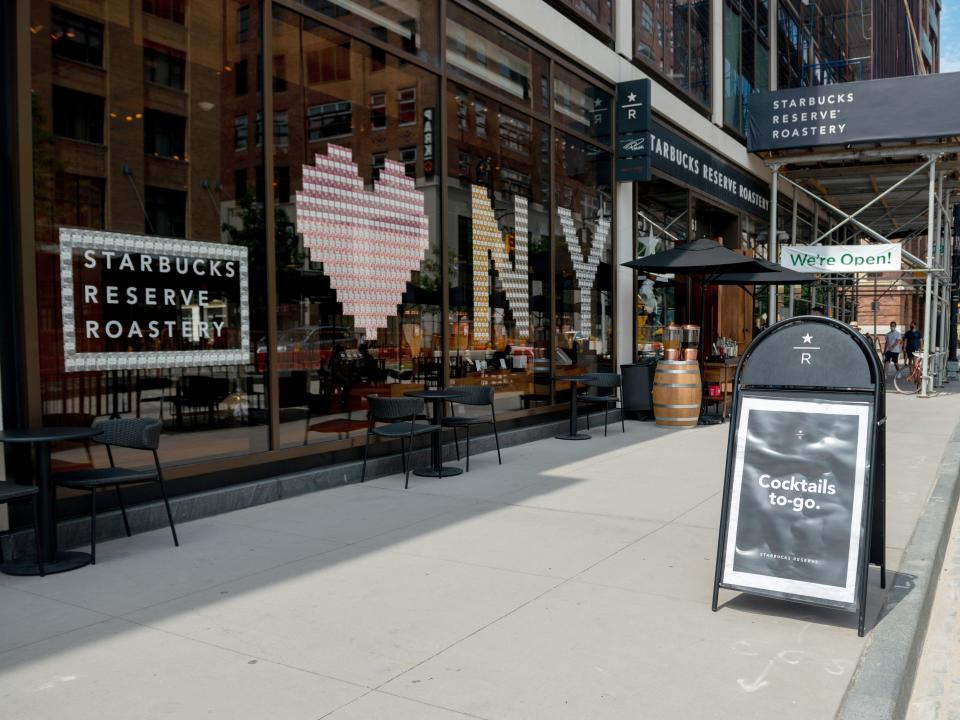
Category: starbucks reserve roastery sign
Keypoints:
(133, 301)
(797, 498)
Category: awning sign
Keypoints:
(133, 301)
(841, 258)
(889, 109)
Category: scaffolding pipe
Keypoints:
(773, 255)
(867, 229)
(928, 289)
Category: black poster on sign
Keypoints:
(633, 107)
(920, 106)
(798, 497)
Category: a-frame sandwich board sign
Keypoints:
(803, 494)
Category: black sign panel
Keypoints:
(797, 498)
(633, 107)
(678, 157)
(921, 106)
(803, 509)
(131, 301)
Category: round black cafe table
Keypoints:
(54, 561)
(574, 380)
(438, 397)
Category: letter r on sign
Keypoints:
(805, 358)
(632, 114)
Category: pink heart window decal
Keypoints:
(368, 242)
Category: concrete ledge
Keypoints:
(883, 682)
(151, 516)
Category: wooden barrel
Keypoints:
(677, 393)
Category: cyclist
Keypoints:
(891, 346)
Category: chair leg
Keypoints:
(496, 438)
(456, 442)
(93, 527)
(166, 502)
(363, 472)
(123, 511)
(468, 448)
(406, 464)
(403, 456)
(36, 533)
(606, 410)
(623, 424)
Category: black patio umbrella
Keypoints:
(704, 259)
(773, 275)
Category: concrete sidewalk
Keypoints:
(572, 582)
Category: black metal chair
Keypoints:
(400, 415)
(133, 433)
(11, 492)
(475, 395)
(603, 389)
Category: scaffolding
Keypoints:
(884, 193)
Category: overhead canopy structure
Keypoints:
(881, 160)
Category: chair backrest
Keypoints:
(602, 380)
(391, 409)
(135, 433)
(474, 394)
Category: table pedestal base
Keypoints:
(578, 436)
(63, 562)
(445, 471)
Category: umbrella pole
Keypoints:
(703, 320)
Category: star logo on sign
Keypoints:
(597, 102)
(631, 97)
(808, 338)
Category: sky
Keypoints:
(950, 36)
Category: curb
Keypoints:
(883, 681)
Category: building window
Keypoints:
(239, 183)
(746, 60)
(379, 160)
(282, 184)
(173, 10)
(166, 212)
(164, 134)
(328, 65)
(279, 73)
(240, 124)
(480, 110)
(259, 73)
(673, 36)
(329, 120)
(243, 23)
(646, 17)
(407, 106)
(378, 111)
(78, 200)
(378, 56)
(259, 128)
(515, 134)
(240, 78)
(164, 67)
(77, 115)
(281, 129)
(408, 156)
(76, 38)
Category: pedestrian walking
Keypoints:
(912, 340)
(891, 346)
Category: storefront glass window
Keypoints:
(673, 36)
(408, 26)
(746, 60)
(498, 250)
(583, 282)
(144, 176)
(581, 106)
(502, 65)
(597, 14)
(358, 238)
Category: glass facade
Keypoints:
(746, 57)
(404, 220)
(673, 37)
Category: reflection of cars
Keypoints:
(306, 347)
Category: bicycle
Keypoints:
(909, 378)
